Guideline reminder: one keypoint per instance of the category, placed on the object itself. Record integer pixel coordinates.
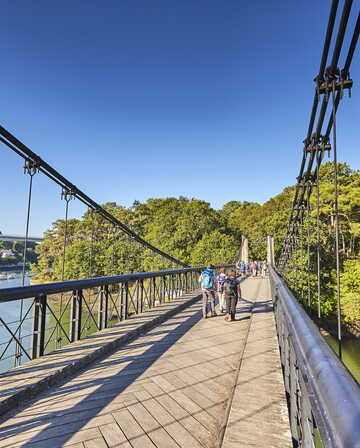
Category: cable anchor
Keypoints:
(67, 195)
(31, 167)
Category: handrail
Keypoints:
(53, 319)
(332, 392)
(25, 292)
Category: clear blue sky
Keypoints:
(134, 99)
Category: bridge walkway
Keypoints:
(188, 382)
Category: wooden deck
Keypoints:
(188, 382)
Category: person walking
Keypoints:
(232, 292)
(207, 282)
(263, 269)
(242, 269)
(220, 279)
(254, 269)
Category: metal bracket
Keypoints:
(335, 81)
(31, 167)
(67, 195)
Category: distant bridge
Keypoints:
(20, 238)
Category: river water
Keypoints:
(10, 313)
(350, 353)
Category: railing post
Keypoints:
(177, 285)
(126, 301)
(166, 288)
(38, 330)
(294, 393)
(161, 290)
(149, 292)
(76, 311)
(172, 286)
(136, 292)
(141, 284)
(103, 307)
(154, 291)
(120, 300)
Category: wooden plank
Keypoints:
(96, 443)
(113, 435)
(253, 405)
(132, 430)
(35, 376)
(168, 388)
(152, 427)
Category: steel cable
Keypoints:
(23, 151)
(336, 212)
(312, 140)
(319, 155)
(31, 170)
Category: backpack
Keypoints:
(221, 280)
(207, 279)
(230, 287)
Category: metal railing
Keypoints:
(56, 314)
(323, 398)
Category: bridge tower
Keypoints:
(270, 250)
(244, 249)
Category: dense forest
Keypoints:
(192, 231)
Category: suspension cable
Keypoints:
(67, 196)
(313, 139)
(91, 242)
(308, 248)
(30, 169)
(302, 257)
(319, 155)
(336, 212)
(23, 151)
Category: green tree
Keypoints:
(215, 248)
(350, 283)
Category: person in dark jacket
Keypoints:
(232, 292)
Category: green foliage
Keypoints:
(17, 247)
(216, 248)
(350, 283)
(297, 274)
(190, 230)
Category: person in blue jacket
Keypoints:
(207, 281)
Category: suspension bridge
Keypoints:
(21, 238)
(128, 360)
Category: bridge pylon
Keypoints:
(270, 250)
(244, 249)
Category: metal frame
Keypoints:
(329, 80)
(323, 397)
(91, 305)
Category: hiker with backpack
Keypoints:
(263, 269)
(207, 282)
(220, 279)
(232, 292)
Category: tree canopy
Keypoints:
(192, 231)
